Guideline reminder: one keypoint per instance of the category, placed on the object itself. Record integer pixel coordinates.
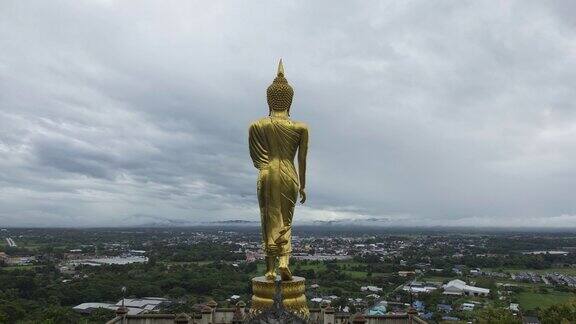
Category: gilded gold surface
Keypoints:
(293, 297)
(274, 142)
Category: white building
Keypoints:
(117, 260)
(88, 308)
(370, 288)
(146, 303)
(459, 287)
(468, 307)
(134, 306)
(420, 287)
(515, 308)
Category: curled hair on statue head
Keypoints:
(279, 94)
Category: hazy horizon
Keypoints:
(328, 228)
(421, 113)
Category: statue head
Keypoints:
(280, 93)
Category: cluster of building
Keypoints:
(548, 278)
(561, 279)
(395, 251)
(418, 287)
(527, 277)
(322, 248)
(132, 306)
(109, 260)
(16, 260)
(454, 287)
(210, 313)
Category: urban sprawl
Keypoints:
(445, 276)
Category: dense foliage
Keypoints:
(562, 313)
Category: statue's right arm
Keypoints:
(302, 154)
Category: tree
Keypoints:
(12, 311)
(560, 313)
(59, 315)
(101, 315)
(437, 317)
(492, 315)
(177, 292)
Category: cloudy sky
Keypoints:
(421, 112)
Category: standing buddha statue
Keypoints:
(274, 142)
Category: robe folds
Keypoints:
(273, 143)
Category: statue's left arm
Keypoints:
(258, 151)
(302, 152)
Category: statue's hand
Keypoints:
(302, 196)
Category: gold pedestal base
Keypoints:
(293, 295)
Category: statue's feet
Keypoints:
(270, 275)
(285, 273)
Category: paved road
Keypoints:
(11, 242)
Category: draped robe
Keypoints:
(273, 145)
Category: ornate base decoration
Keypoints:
(290, 296)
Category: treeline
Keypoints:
(204, 251)
(514, 260)
(28, 296)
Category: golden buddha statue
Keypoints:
(274, 142)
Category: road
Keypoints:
(11, 242)
(387, 296)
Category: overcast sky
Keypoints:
(421, 112)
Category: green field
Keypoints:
(315, 267)
(356, 274)
(532, 300)
(183, 263)
(321, 266)
(346, 267)
(436, 278)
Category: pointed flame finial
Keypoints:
(280, 69)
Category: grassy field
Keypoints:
(356, 274)
(531, 300)
(345, 265)
(321, 266)
(436, 278)
(182, 263)
(315, 267)
(527, 285)
(350, 263)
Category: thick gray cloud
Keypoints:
(422, 112)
